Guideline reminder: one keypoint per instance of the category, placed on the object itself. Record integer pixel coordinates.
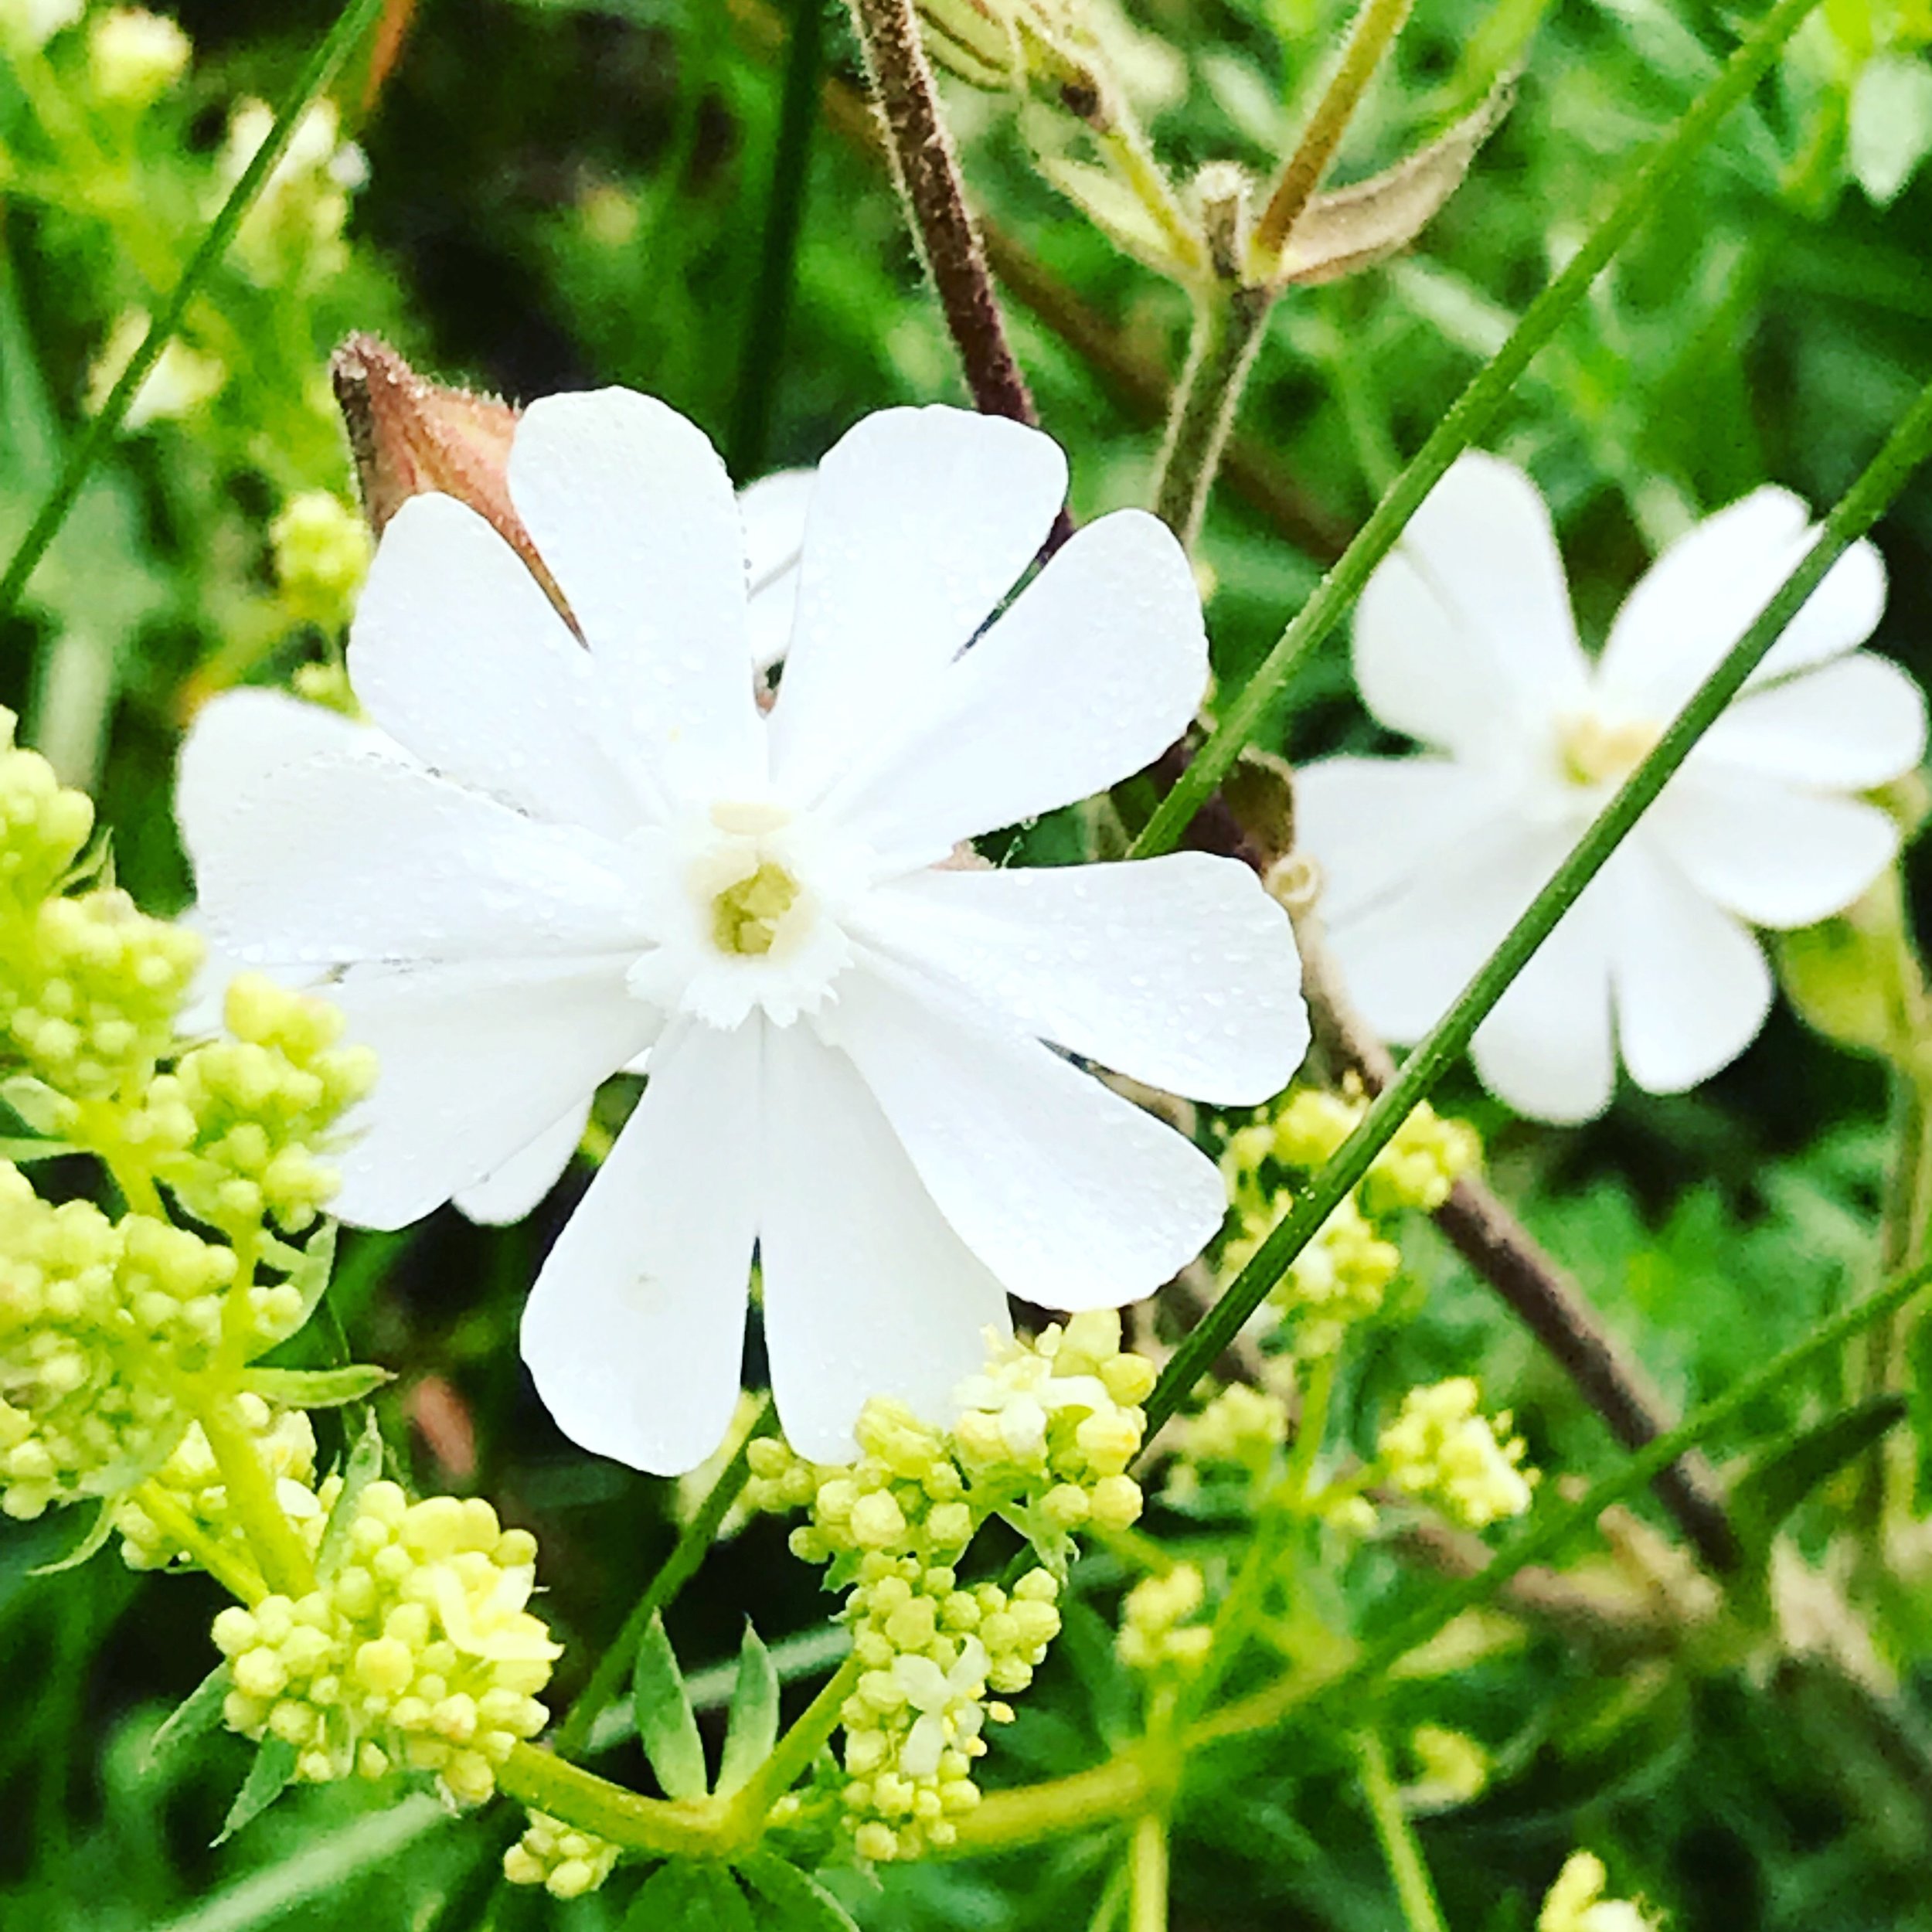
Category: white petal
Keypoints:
(1692, 986)
(508, 1193)
(1464, 636)
(460, 656)
(241, 736)
(1704, 591)
(1854, 724)
(1180, 971)
(772, 511)
(1769, 852)
(925, 1745)
(630, 508)
(363, 857)
(1405, 958)
(867, 1291)
(1092, 673)
(474, 1061)
(1546, 1048)
(1373, 823)
(921, 520)
(635, 1332)
(1072, 1197)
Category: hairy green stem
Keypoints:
(1471, 415)
(354, 21)
(1228, 323)
(1374, 33)
(1400, 1851)
(1849, 519)
(607, 1680)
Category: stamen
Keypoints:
(745, 917)
(1595, 752)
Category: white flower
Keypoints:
(29, 25)
(565, 856)
(1464, 639)
(950, 1714)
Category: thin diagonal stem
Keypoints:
(354, 21)
(1853, 516)
(926, 170)
(1471, 415)
(1400, 1851)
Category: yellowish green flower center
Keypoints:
(1595, 752)
(745, 916)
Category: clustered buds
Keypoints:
(294, 230)
(1238, 1426)
(1341, 1276)
(134, 57)
(1442, 1449)
(1156, 1637)
(419, 1652)
(566, 1862)
(322, 549)
(1043, 1438)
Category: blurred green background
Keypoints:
(559, 195)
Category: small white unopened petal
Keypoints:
(634, 1331)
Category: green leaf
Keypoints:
(197, 1714)
(98, 1532)
(752, 1729)
(689, 1896)
(364, 1465)
(1774, 1485)
(268, 1777)
(800, 1903)
(308, 1270)
(665, 1726)
(316, 1388)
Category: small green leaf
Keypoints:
(364, 1465)
(268, 1777)
(689, 1896)
(308, 1270)
(316, 1388)
(98, 1532)
(801, 1902)
(752, 1729)
(197, 1714)
(1774, 1485)
(665, 1726)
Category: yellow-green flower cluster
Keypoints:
(1576, 1902)
(1442, 1449)
(419, 1652)
(134, 57)
(1453, 1769)
(1155, 1636)
(259, 1105)
(99, 1320)
(285, 1442)
(43, 824)
(566, 1862)
(294, 230)
(322, 549)
(1239, 1425)
(1341, 1276)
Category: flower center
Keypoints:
(1595, 752)
(745, 917)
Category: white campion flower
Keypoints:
(1464, 639)
(566, 856)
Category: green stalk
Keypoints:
(1147, 1866)
(793, 1755)
(1228, 323)
(354, 21)
(1471, 415)
(573, 1735)
(1400, 1851)
(1853, 516)
(660, 1828)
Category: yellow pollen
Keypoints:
(745, 917)
(1597, 753)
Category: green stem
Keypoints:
(793, 1756)
(1029, 1813)
(1850, 518)
(660, 1828)
(1399, 1848)
(778, 255)
(1229, 325)
(1146, 1865)
(1373, 35)
(354, 19)
(181, 1528)
(284, 1559)
(607, 1680)
(1471, 415)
